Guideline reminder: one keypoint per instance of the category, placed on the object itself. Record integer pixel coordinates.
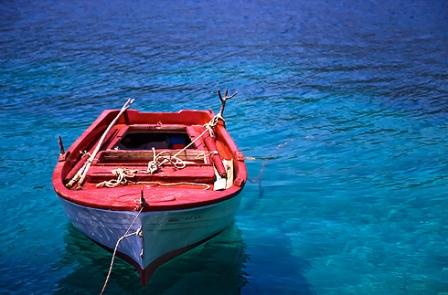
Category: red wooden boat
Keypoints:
(150, 186)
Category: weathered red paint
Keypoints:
(157, 197)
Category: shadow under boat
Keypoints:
(213, 267)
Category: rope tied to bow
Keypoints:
(124, 236)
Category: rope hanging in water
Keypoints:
(124, 236)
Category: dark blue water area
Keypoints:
(344, 104)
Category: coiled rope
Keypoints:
(159, 159)
(122, 175)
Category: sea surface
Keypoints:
(344, 105)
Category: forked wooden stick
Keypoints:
(224, 99)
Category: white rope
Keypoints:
(124, 236)
(123, 174)
(160, 158)
(154, 165)
(122, 177)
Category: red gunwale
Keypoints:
(127, 198)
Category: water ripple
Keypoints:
(344, 106)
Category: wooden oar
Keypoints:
(81, 174)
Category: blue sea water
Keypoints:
(343, 103)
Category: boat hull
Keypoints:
(164, 234)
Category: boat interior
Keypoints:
(131, 145)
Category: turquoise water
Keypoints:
(344, 105)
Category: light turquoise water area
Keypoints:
(344, 105)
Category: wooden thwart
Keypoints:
(145, 156)
(192, 174)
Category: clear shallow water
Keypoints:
(344, 104)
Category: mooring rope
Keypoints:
(124, 236)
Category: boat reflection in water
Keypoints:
(215, 267)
